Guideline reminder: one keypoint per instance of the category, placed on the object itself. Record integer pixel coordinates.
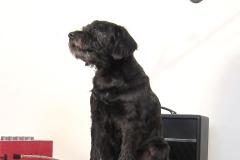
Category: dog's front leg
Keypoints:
(95, 130)
(96, 141)
(128, 146)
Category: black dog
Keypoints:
(126, 114)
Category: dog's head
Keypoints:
(101, 43)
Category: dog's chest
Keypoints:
(110, 108)
(105, 106)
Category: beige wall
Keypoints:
(191, 53)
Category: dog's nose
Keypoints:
(71, 35)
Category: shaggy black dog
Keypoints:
(126, 114)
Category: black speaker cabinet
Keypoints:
(187, 136)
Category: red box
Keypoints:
(32, 147)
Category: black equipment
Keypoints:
(187, 136)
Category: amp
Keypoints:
(187, 136)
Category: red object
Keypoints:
(33, 147)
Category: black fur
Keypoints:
(126, 114)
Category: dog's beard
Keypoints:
(84, 54)
(87, 58)
(78, 45)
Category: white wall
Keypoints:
(190, 51)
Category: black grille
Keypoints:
(183, 150)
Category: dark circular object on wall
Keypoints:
(196, 1)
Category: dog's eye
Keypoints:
(95, 28)
(98, 28)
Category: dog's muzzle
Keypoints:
(75, 34)
(71, 35)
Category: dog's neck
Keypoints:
(113, 63)
(119, 74)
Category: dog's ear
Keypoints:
(125, 45)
